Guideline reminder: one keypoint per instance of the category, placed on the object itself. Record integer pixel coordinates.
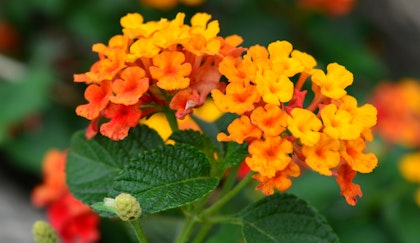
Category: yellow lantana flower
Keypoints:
(323, 156)
(352, 152)
(304, 124)
(410, 167)
(333, 83)
(274, 88)
(338, 123)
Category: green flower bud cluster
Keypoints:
(44, 233)
(127, 207)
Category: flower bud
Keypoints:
(127, 207)
(44, 233)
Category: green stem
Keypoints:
(230, 180)
(138, 231)
(224, 220)
(186, 230)
(201, 235)
(170, 116)
(226, 198)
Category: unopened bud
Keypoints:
(44, 233)
(127, 207)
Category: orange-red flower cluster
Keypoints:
(153, 65)
(398, 107)
(330, 7)
(170, 4)
(284, 135)
(72, 220)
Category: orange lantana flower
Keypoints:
(70, 218)
(348, 189)
(122, 118)
(132, 85)
(240, 130)
(270, 119)
(398, 105)
(170, 70)
(352, 152)
(269, 156)
(98, 98)
(281, 181)
(153, 65)
(238, 98)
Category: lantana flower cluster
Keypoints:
(285, 136)
(70, 218)
(398, 105)
(153, 66)
(165, 64)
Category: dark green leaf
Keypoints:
(195, 139)
(167, 177)
(93, 164)
(284, 218)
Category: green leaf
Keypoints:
(284, 218)
(93, 164)
(166, 177)
(195, 139)
(23, 97)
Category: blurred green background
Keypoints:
(43, 43)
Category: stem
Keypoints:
(201, 235)
(170, 116)
(224, 220)
(186, 230)
(138, 230)
(230, 180)
(302, 78)
(316, 101)
(226, 198)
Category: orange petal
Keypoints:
(348, 189)
(122, 118)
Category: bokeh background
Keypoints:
(43, 43)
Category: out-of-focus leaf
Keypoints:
(23, 97)
(226, 233)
